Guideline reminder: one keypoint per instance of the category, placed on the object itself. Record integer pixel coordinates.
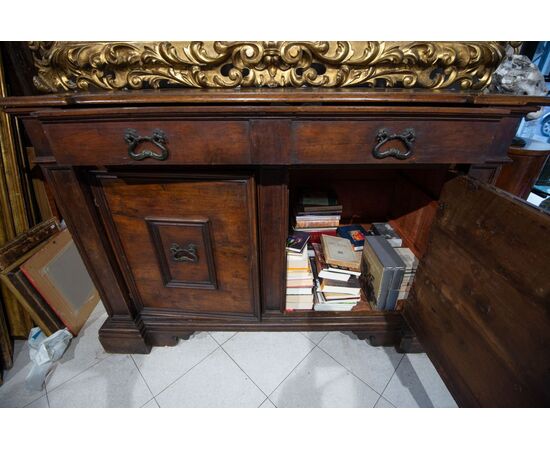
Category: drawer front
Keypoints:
(168, 142)
(392, 141)
(187, 245)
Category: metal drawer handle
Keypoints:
(408, 136)
(158, 138)
(184, 254)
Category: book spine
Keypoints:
(384, 287)
(316, 223)
(395, 287)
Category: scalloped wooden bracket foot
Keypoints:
(377, 339)
(167, 339)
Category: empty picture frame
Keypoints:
(57, 272)
(15, 253)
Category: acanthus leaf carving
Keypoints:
(66, 66)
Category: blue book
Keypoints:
(355, 234)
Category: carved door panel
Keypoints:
(185, 243)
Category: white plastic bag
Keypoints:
(44, 351)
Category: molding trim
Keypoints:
(71, 66)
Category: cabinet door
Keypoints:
(481, 301)
(186, 244)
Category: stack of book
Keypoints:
(411, 263)
(299, 277)
(382, 273)
(386, 230)
(336, 269)
(318, 212)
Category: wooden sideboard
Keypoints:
(180, 200)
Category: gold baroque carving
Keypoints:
(67, 66)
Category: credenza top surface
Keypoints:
(277, 96)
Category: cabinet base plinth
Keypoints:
(123, 335)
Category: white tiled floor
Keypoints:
(265, 370)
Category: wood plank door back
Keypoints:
(481, 302)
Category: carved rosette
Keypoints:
(64, 66)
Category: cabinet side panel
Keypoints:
(273, 226)
(76, 205)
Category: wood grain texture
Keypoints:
(228, 204)
(265, 95)
(39, 310)
(437, 141)
(273, 230)
(25, 242)
(482, 297)
(76, 205)
(521, 174)
(279, 140)
(6, 342)
(165, 233)
(188, 142)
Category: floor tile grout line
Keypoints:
(35, 400)
(374, 406)
(315, 343)
(392, 375)
(143, 378)
(225, 342)
(350, 371)
(210, 334)
(388, 401)
(267, 400)
(249, 377)
(188, 370)
(109, 355)
(293, 369)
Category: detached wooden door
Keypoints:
(481, 302)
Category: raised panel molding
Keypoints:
(167, 233)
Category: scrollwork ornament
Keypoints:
(69, 66)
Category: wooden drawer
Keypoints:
(186, 142)
(185, 243)
(355, 141)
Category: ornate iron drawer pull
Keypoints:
(158, 138)
(407, 137)
(186, 254)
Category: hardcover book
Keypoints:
(312, 197)
(351, 287)
(386, 230)
(329, 222)
(339, 252)
(320, 304)
(355, 234)
(297, 241)
(323, 269)
(383, 272)
(315, 233)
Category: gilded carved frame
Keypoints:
(68, 66)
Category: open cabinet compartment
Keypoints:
(407, 198)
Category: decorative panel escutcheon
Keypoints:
(183, 248)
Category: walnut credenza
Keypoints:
(180, 202)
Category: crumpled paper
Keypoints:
(44, 351)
